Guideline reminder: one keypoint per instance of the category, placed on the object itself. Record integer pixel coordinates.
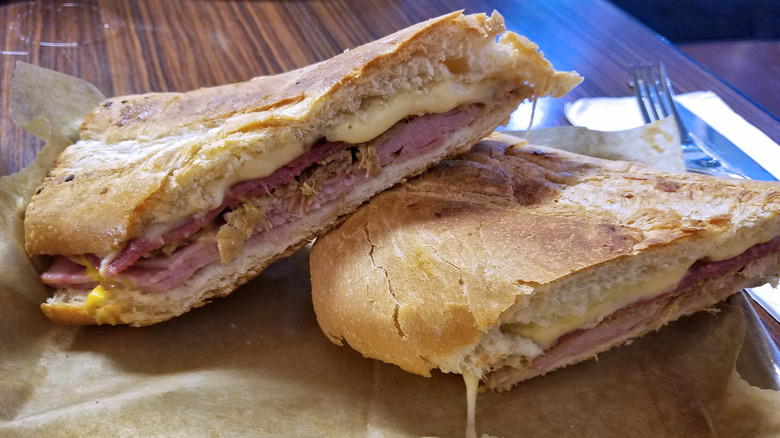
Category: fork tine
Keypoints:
(639, 92)
(667, 89)
(654, 94)
(652, 98)
(664, 101)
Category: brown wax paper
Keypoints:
(256, 364)
(656, 144)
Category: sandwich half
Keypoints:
(514, 260)
(171, 199)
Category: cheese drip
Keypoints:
(95, 305)
(472, 384)
(97, 299)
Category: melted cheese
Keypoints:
(89, 270)
(616, 298)
(623, 295)
(472, 384)
(739, 244)
(95, 304)
(377, 115)
(271, 160)
(96, 298)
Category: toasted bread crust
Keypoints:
(427, 268)
(145, 158)
(137, 308)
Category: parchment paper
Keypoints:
(256, 364)
(656, 144)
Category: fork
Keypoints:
(655, 97)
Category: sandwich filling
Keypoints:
(704, 284)
(251, 209)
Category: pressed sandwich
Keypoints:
(171, 199)
(514, 260)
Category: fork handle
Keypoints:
(709, 166)
(699, 160)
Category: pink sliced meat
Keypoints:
(136, 248)
(703, 269)
(162, 273)
(154, 274)
(645, 312)
(581, 341)
(423, 132)
(258, 187)
(192, 226)
(159, 273)
(65, 272)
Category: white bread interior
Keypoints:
(436, 272)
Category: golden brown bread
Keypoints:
(99, 195)
(459, 268)
(146, 163)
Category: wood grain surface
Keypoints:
(138, 46)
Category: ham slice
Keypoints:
(136, 248)
(410, 137)
(162, 273)
(66, 272)
(651, 313)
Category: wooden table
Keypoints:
(136, 46)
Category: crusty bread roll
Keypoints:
(514, 260)
(217, 180)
